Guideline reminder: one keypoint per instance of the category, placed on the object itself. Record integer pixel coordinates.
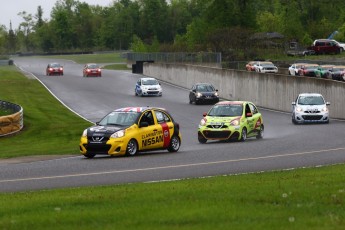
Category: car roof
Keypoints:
(148, 78)
(232, 102)
(310, 94)
(137, 109)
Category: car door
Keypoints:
(167, 127)
(150, 133)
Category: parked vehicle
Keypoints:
(294, 68)
(337, 73)
(265, 67)
(325, 46)
(308, 70)
(323, 71)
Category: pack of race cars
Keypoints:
(127, 131)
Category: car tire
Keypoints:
(89, 155)
(175, 144)
(135, 93)
(132, 147)
(190, 101)
(260, 133)
(201, 139)
(243, 134)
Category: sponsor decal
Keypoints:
(152, 138)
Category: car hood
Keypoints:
(212, 119)
(99, 130)
(312, 108)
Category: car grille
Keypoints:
(217, 126)
(312, 117)
(217, 134)
(152, 92)
(97, 148)
(312, 111)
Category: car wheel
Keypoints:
(174, 145)
(132, 148)
(135, 93)
(261, 133)
(89, 155)
(190, 101)
(201, 139)
(243, 134)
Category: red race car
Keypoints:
(92, 69)
(54, 69)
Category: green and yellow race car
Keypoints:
(231, 120)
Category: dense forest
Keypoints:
(226, 26)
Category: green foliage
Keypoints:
(175, 25)
(138, 45)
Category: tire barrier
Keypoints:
(12, 123)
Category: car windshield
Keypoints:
(226, 110)
(93, 66)
(338, 69)
(55, 65)
(150, 82)
(205, 88)
(311, 100)
(311, 67)
(120, 119)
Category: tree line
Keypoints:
(225, 26)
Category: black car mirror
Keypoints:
(143, 124)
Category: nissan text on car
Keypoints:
(126, 131)
(231, 120)
(310, 108)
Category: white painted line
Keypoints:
(172, 166)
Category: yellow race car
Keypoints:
(126, 131)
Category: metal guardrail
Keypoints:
(12, 123)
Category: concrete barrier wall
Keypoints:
(11, 123)
(273, 91)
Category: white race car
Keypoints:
(148, 86)
(310, 108)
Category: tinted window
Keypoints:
(226, 110)
(162, 117)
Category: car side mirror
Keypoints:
(328, 103)
(249, 114)
(293, 103)
(204, 114)
(143, 124)
(216, 90)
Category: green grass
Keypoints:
(49, 127)
(296, 199)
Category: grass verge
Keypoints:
(49, 127)
(298, 199)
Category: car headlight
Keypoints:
(235, 122)
(216, 94)
(203, 122)
(84, 133)
(198, 94)
(299, 109)
(118, 134)
(324, 109)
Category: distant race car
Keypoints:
(310, 107)
(203, 92)
(54, 69)
(126, 131)
(148, 86)
(231, 120)
(92, 69)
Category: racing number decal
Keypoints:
(166, 135)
